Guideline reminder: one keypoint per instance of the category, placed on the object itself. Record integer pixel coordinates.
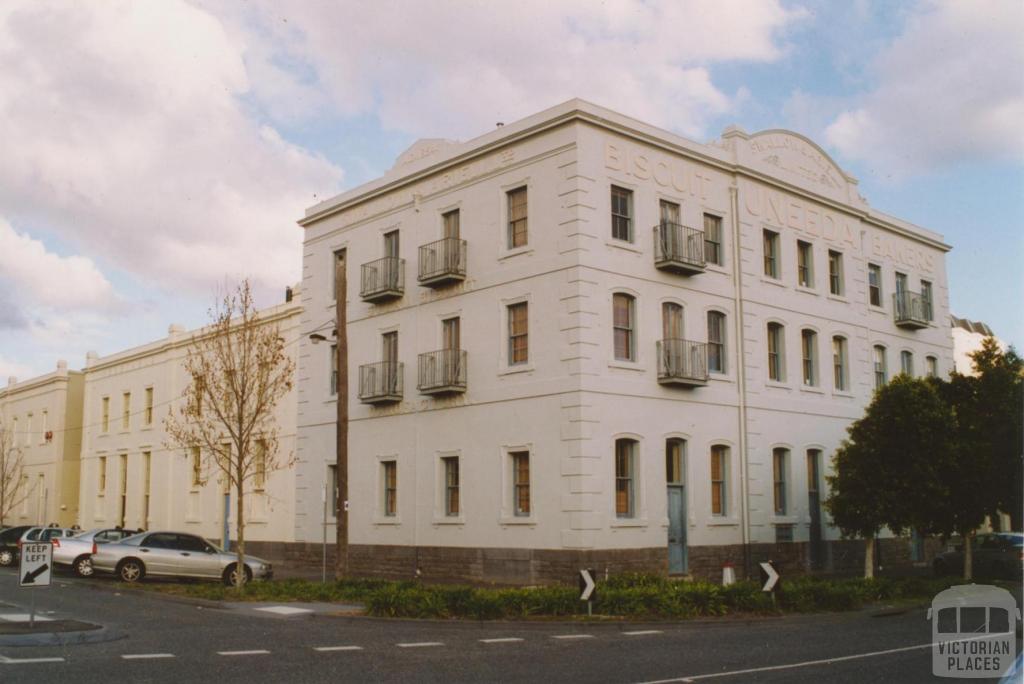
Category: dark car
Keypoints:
(9, 543)
(999, 555)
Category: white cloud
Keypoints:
(42, 277)
(124, 131)
(949, 90)
(10, 369)
(450, 68)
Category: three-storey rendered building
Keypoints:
(582, 341)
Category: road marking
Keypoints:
(143, 656)
(789, 666)
(643, 632)
(573, 636)
(284, 610)
(23, 617)
(501, 640)
(420, 644)
(19, 661)
(242, 653)
(337, 648)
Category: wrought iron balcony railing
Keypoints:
(679, 249)
(382, 279)
(442, 262)
(911, 310)
(442, 371)
(381, 382)
(682, 362)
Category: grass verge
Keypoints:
(629, 595)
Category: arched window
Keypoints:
(881, 369)
(625, 477)
(809, 356)
(719, 479)
(907, 362)
(776, 354)
(780, 471)
(931, 365)
(675, 461)
(839, 371)
(624, 324)
(716, 342)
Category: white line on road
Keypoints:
(573, 636)
(501, 640)
(243, 653)
(19, 661)
(643, 632)
(420, 644)
(806, 663)
(337, 648)
(145, 656)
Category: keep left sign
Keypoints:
(36, 564)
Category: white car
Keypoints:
(77, 551)
(38, 534)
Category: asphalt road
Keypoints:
(169, 641)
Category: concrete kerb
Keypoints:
(94, 635)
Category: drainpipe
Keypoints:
(741, 375)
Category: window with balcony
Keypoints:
(835, 273)
(770, 241)
(384, 278)
(518, 334)
(622, 214)
(517, 228)
(443, 262)
(804, 264)
(776, 355)
(680, 361)
(874, 285)
(382, 382)
(809, 357)
(713, 240)
(716, 342)
(719, 488)
(444, 371)
(625, 478)
(624, 325)
(677, 248)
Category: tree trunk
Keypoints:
(240, 527)
(869, 558)
(968, 538)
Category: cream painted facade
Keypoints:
(132, 477)
(45, 416)
(572, 399)
(967, 338)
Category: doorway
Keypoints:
(675, 480)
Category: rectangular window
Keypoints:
(126, 411)
(874, 285)
(783, 534)
(101, 485)
(625, 495)
(779, 458)
(451, 485)
(147, 467)
(835, 273)
(926, 299)
(675, 461)
(197, 466)
(839, 363)
(451, 224)
(716, 342)
(622, 214)
(775, 371)
(624, 326)
(907, 363)
(713, 239)
(334, 369)
(521, 482)
(809, 352)
(881, 372)
(517, 232)
(813, 465)
(390, 479)
(771, 254)
(804, 264)
(260, 465)
(105, 419)
(931, 366)
(391, 245)
(518, 333)
(148, 415)
(719, 456)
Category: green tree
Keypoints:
(887, 473)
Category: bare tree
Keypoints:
(238, 373)
(12, 483)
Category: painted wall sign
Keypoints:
(782, 210)
(665, 171)
(900, 252)
(798, 157)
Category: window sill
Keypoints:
(842, 393)
(517, 251)
(387, 520)
(449, 520)
(807, 290)
(721, 377)
(812, 389)
(715, 268)
(627, 365)
(512, 370)
(624, 245)
(777, 282)
(723, 522)
(520, 521)
(838, 298)
(629, 522)
(777, 384)
(147, 428)
(877, 309)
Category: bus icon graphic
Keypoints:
(973, 631)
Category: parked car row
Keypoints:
(996, 555)
(132, 555)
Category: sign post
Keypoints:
(587, 585)
(35, 570)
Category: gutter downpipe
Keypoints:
(741, 375)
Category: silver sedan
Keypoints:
(173, 554)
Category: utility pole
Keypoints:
(341, 466)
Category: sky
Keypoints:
(153, 152)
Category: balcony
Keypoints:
(911, 310)
(442, 372)
(683, 363)
(442, 262)
(382, 279)
(381, 382)
(679, 249)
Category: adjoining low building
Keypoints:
(133, 477)
(44, 417)
(967, 338)
(582, 341)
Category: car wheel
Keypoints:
(131, 570)
(6, 557)
(231, 575)
(83, 566)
